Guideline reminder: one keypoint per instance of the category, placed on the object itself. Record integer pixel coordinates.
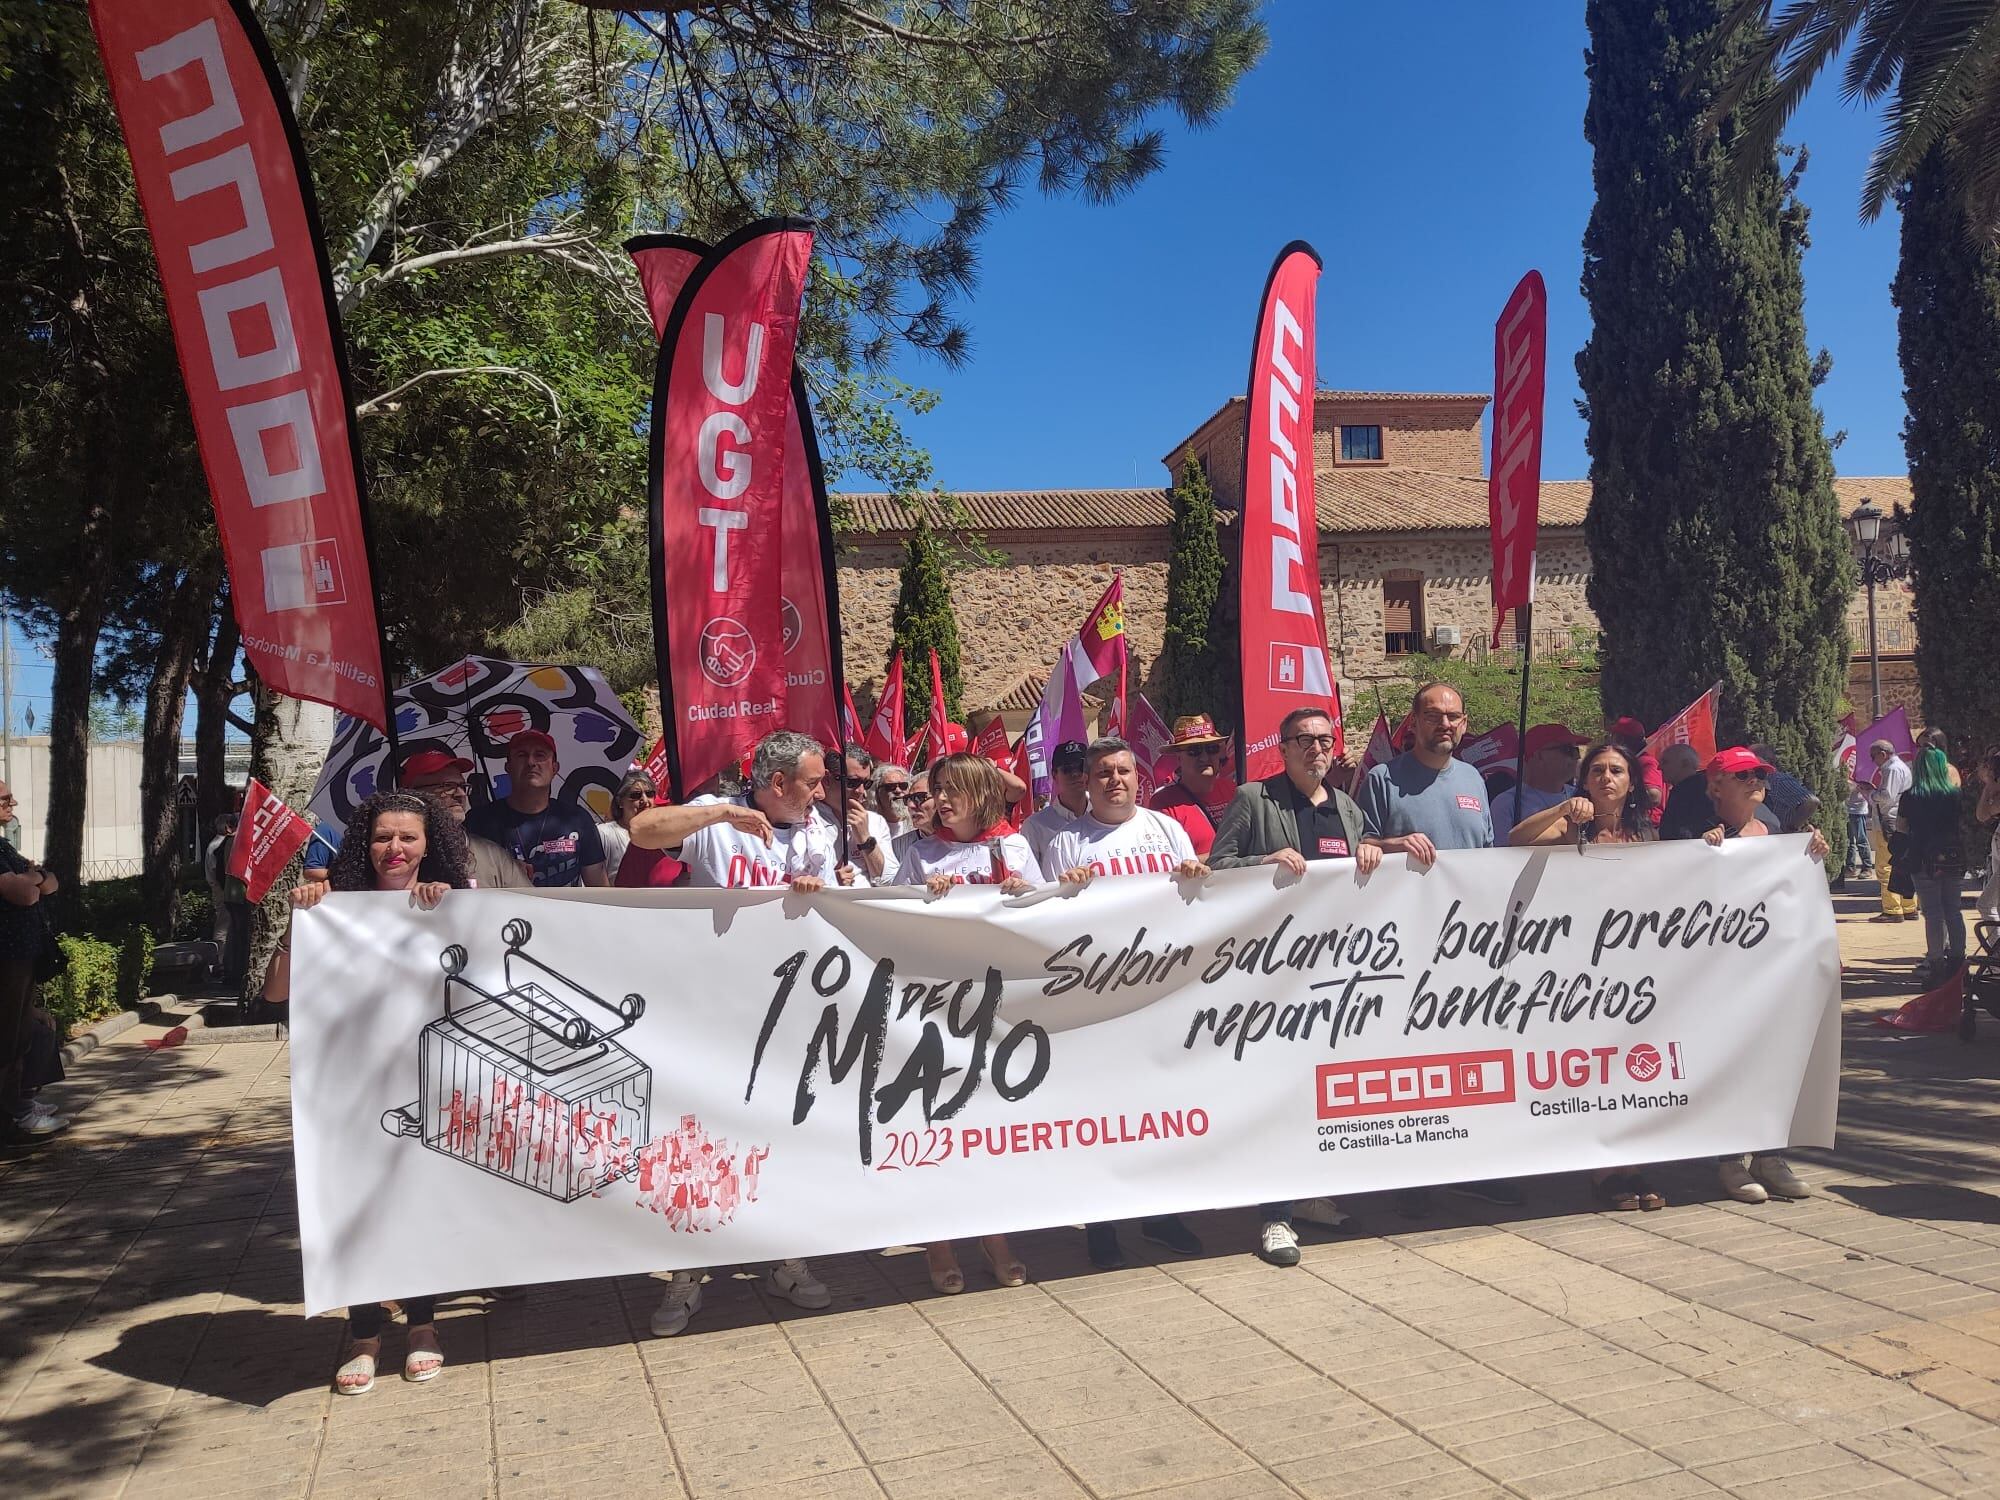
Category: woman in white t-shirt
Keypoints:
(971, 843)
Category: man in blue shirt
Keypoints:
(557, 841)
(1424, 800)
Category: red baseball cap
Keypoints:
(1629, 728)
(532, 737)
(1736, 758)
(1545, 736)
(434, 763)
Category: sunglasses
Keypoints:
(1203, 752)
(896, 788)
(1750, 775)
(918, 798)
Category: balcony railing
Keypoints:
(1892, 637)
(1554, 643)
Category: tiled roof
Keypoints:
(1351, 500)
(1021, 510)
(1390, 499)
(1026, 695)
(1887, 491)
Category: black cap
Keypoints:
(1070, 754)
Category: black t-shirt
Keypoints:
(1688, 814)
(20, 926)
(559, 842)
(1322, 834)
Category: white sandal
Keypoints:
(362, 1365)
(416, 1374)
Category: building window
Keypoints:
(1402, 616)
(1361, 445)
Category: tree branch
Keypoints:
(385, 404)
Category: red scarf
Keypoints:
(998, 831)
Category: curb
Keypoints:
(98, 1033)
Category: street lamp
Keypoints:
(1866, 526)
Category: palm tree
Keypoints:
(1936, 62)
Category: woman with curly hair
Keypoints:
(1614, 809)
(396, 841)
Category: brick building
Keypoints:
(1404, 558)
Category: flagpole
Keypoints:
(1525, 614)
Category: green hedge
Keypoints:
(88, 989)
(102, 978)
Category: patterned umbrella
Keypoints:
(472, 709)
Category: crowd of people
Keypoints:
(965, 820)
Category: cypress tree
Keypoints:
(924, 618)
(1715, 540)
(1947, 293)
(1193, 667)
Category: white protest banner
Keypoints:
(527, 1086)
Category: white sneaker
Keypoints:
(1279, 1245)
(682, 1301)
(1739, 1184)
(794, 1281)
(1321, 1211)
(1776, 1174)
(41, 1120)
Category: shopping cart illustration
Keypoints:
(528, 1083)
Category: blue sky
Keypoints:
(1431, 153)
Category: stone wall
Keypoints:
(1014, 616)
(1443, 437)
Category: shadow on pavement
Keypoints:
(1918, 1200)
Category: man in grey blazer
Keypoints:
(1290, 819)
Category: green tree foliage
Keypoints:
(1716, 544)
(1935, 64)
(1561, 690)
(923, 619)
(1947, 292)
(1197, 667)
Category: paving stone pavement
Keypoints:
(151, 1344)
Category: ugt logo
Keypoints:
(727, 652)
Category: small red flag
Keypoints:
(267, 836)
(885, 731)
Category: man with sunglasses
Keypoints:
(1288, 820)
(1423, 801)
(1199, 794)
(442, 774)
(1071, 783)
(918, 800)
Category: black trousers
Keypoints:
(17, 987)
(365, 1322)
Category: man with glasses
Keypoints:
(918, 800)
(1199, 794)
(891, 784)
(1425, 800)
(442, 774)
(1288, 820)
(1071, 783)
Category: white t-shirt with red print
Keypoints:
(724, 856)
(971, 863)
(1147, 843)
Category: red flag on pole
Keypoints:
(851, 717)
(938, 726)
(1514, 488)
(1379, 751)
(655, 763)
(885, 731)
(1693, 725)
(228, 197)
(722, 414)
(992, 743)
(268, 834)
(1284, 657)
(810, 606)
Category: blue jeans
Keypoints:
(1944, 922)
(1859, 852)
